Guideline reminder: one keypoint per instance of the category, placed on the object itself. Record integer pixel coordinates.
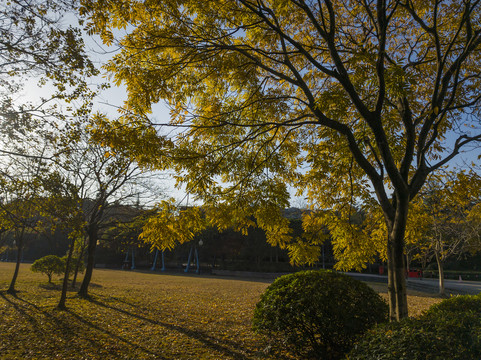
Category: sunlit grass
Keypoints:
(135, 315)
(418, 301)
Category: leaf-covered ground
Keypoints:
(135, 315)
(418, 301)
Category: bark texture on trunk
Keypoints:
(63, 297)
(92, 244)
(77, 267)
(398, 308)
(19, 240)
(397, 294)
(440, 273)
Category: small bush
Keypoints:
(49, 265)
(448, 330)
(317, 314)
(457, 304)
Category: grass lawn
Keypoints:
(137, 315)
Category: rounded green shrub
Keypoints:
(317, 314)
(456, 304)
(49, 265)
(448, 330)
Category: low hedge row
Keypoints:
(449, 330)
(321, 314)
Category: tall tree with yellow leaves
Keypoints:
(346, 100)
(448, 218)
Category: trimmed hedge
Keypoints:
(317, 314)
(448, 330)
(54, 265)
(49, 265)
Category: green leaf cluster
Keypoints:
(49, 265)
(449, 330)
(317, 314)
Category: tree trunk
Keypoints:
(408, 262)
(63, 297)
(92, 243)
(440, 272)
(398, 308)
(77, 267)
(19, 241)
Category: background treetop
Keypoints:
(38, 48)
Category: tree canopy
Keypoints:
(349, 101)
(447, 218)
(36, 48)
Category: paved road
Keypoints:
(427, 285)
(451, 286)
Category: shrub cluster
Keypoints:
(52, 264)
(317, 314)
(49, 265)
(448, 330)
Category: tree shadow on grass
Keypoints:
(58, 287)
(23, 311)
(112, 335)
(64, 328)
(73, 331)
(68, 330)
(207, 275)
(214, 343)
(55, 287)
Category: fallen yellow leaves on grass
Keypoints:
(133, 315)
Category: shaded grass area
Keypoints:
(136, 315)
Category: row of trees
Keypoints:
(53, 176)
(35, 46)
(75, 191)
(445, 221)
